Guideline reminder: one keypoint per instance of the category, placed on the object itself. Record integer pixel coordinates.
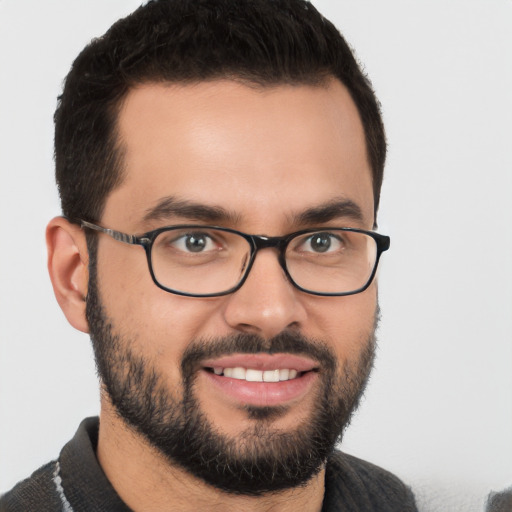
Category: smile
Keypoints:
(253, 375)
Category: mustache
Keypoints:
(245, 343)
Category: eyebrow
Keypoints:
(329, 211)
(169, 207)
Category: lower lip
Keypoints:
(262, 394)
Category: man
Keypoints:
(219, 165)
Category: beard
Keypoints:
(258, 460)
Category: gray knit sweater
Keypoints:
(76, 483)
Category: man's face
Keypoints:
(255, 160)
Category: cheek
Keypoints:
(346, 323)
(160, 323)
(124, 284)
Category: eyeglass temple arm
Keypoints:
(116, 235)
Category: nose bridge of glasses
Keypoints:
(264, 242)
(270, 242)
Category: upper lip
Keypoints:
(262, 362)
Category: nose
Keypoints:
(267, 303)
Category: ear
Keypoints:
(68, 261)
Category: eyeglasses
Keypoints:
(210, 261)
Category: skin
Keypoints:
(265, 155)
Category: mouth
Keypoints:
(261, 379)
(254, 375)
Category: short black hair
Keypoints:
(261, 42)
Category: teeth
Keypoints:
(235, 373)
(251, 375)
(284, 374)
(271, 376)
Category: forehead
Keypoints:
(262, 153)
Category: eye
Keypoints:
(321, 242)
(194, 242)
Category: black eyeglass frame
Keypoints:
(256, 243)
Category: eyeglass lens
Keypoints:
(211, 261)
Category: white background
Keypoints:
(438, 411)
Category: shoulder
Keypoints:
(355, 484)
(500, 501)
(38, 492)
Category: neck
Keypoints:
(145, 480)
